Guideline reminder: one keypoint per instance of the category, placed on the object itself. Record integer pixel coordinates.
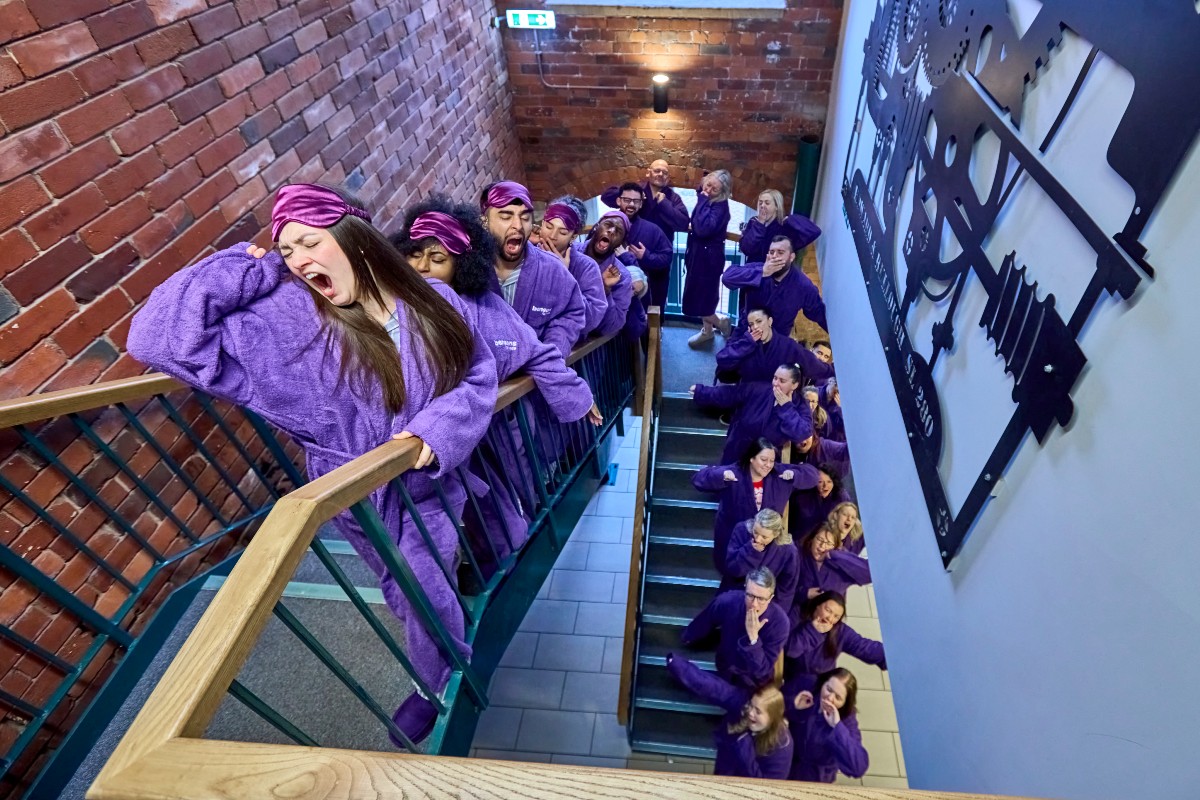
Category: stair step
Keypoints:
(658, 639)
(682, 561)
(675, 600)
(675, 732)
(682, 411)
(656, 689)
(674, 482)
(686, 446)
(681, 522)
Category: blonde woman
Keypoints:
(705, 256)
(763, 541)
(758, 232)
(845, 520)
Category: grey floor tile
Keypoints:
(565, 732)
(513, 755)
(526, 688)
(627, 531)
(598, 529)
(563, 652)
(591, 691)
(621, 588)
(520, 650)
(615, 504)
(610, 739)
(574, 555)
(589, 761)
(497, 728)
(593, 587)
(613, 650)
(550, 616)
(601, 619)
(606, 558)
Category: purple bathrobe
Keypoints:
(739, 662)
(743, 359)
(821, 751)
(781, 559)
(586, 272)
(756, 239)
(245, 330)
(705, 256)
(755, 414)
(671, 215)
(809, 510)
(736, 755)
(620, 297)
(825, 451)
(549, 300)
(736, 502)
(839, 572)
(656, 263)
(806, 655)
(836, 426)
(783, 296)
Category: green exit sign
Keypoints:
(541, 20)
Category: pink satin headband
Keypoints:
(505, 193)
(564, 214)
(449, 232)
(310, 204)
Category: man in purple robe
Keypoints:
(778, 284)
(602, 245)
(663, 206)
(529, 279)
(651, 248)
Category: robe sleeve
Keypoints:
(740, 555)
(866, 650)
(659, 252)
(854, 568)
(453, 423)
(709, 219)
(567, 328)
(712, 479)
(673, 211)
(804, 476)
(724, 397)
(595, 299)
(846, 744)
(609, 196)
(804, 639)
(811, 303)
(185, 328)
(707, 686)
(731, 356)
(754, 241)
(567, 394)
(794, 424)
(743, 276)
(704, 623)
(618, 306)
(812, 367)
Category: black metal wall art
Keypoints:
(969, 66)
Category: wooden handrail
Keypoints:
(652, 392)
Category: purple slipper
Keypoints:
(415, 717)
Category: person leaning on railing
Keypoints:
(336, 341)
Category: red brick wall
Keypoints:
(142, 134)
(742, 93)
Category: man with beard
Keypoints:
(530, 279)
(778, 285)
(602, 245)
(662, 206)
(564, 219)
(646, 243)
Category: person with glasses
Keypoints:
(825, 567)
(663, 207)
(752, 630)
(651, 248)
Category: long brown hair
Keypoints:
(847, 677)
(771, 737)
(369, 356)
(809, 609)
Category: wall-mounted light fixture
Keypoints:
(659, 88)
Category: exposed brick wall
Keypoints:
(142, 134)
(742, 93)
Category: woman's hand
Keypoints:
(830, 713)
(803, 700)
(787, 475)
(256, 251)
(729, 476)
(426, 456)
(594, 416)
(782, 398)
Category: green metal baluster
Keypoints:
(276, 720)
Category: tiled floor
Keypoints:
(554, 696)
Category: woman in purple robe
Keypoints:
(753, 740)
(845, 520)
(763, 541)
(819, 636)
(825, 567)
(775, 411)
(748, 486)
(831, 400)
(561, 224)
(754, 355)
(811, 508)
(815, 449)
(758, 232)
(704, 259)
(824, 727)
(333, 339)
(446, 242)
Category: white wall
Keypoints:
(1061, 656)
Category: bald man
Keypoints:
(662, 206)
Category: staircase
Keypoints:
(679, 580)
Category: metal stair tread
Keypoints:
(683, 580)
(680, 541)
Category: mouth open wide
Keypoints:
(322, 283)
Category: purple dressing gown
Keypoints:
(756, 239)
(671, 215)
(805, 656)
(620, 298)
(705, 257)
(784, 297)
(739, 662)
(743, 359)
(755, 414)
(549, 300)
(809, 510)
(586, 272)
(736, 755)
(781, 559)
(837, 423)
(656, 263)
(821, 751)
(243, 329)
(736, 503)
(825, 451)
(839, 572)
